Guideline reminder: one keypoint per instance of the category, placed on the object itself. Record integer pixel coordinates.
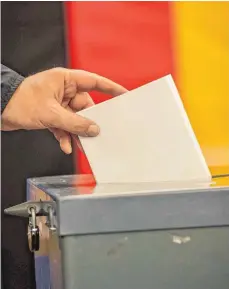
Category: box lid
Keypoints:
(82, 207)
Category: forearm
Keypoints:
(10, 80)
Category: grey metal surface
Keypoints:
(183, 259)
(136, 236)
(55, 261)
(134, 207)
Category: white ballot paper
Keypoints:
(145, 136)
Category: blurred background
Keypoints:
(137, 42)
(130, 42)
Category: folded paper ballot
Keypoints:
(145, 136)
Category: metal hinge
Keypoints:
(32, 210)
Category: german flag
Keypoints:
(136, 42)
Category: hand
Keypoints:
(50, 100)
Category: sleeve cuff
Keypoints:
(12, 86)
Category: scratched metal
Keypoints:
(183, 259)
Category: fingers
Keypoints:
(64, 139)
(70, 122)
(87, 81)
(81, 101)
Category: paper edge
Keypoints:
(188, 124)
(129, 91)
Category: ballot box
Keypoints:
(128, 236)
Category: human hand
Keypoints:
(50, 100)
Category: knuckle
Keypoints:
(57, 69)
(81, 127)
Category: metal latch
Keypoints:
(32, 210)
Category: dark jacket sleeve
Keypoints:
(10, 80)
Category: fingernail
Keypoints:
(93, 130)
(68, 149)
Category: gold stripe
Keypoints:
(201, 50)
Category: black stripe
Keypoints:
(32, 40)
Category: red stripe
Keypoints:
(129, 42)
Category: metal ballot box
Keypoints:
(128, 236)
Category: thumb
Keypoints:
(73, 123)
